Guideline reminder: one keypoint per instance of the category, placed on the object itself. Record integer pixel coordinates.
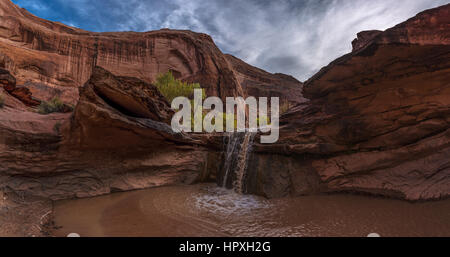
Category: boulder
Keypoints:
(378, 119)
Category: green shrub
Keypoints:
(170, 87)
(54, 105)
(2, 101)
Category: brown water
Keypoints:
(206, 210)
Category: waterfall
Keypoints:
(230, 154)
(241, 167)
(237, 150)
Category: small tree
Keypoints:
(54, 105)
(170, 87)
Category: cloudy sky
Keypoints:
(295, 37)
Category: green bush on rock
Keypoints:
(170, 87)
(54, 105)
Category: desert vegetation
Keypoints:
(54, 105)
(170, 87)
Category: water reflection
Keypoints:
(207, 210)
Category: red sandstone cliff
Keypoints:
(54, 59)
(378, 119)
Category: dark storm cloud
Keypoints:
(288, 36)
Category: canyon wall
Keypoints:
(378, 119)
(117, 139)
(51, 58)
(375, 120)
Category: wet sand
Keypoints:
(207, 210)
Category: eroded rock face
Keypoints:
(7, 81)
(378, 118)
(131, 96)
(55, 60)
(364, 38)
(376, 121)
(23, 94)
(259, 83)
(117, 139)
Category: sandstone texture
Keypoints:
(23, 94)
(117, 137)
(378, 118)
(373, 121)
(53, 59)
(111, 142)
(115, 140)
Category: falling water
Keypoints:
(241, 167)
(238, 147)
(231, 142)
